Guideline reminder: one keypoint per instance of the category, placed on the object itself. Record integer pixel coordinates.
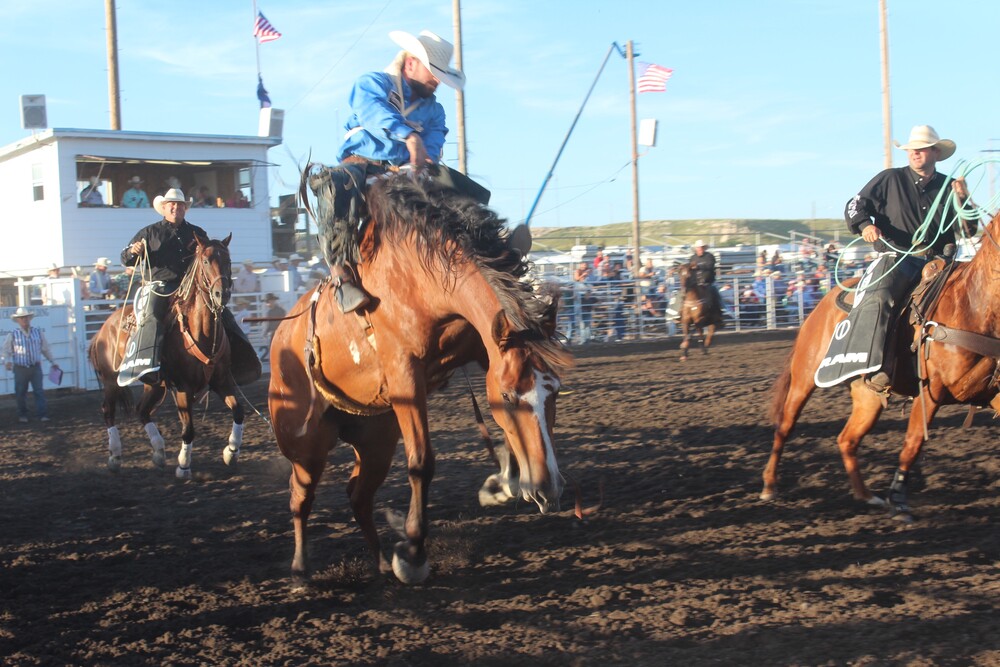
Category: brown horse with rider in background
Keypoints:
(446, 289)
(947, 352)
(195, 358)
(700, 309)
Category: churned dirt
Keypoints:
(681, 565)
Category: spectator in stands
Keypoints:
(53, 271)
(238, 200)
(202, 199)
(91, 196)
(99, 283)
(246, 281)
(23, 350)
(599, 259)
(135, 196)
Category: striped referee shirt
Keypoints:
(26, 348)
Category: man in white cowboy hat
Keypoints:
(167, 248)
(890, 213)
(99, 282)
(135, 196)
(23, 349)
(396, 120)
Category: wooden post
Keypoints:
(636, 255)
(886, 105)
(459, 95)
(113, 92)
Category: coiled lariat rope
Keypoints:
(928, 233)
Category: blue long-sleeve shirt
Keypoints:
(378, 128)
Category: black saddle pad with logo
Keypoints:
(141, 353)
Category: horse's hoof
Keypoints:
(230, 455)
(876, 501)
(405, 571)
(114, 463)
(159, 458)
(768, 494)
(183, 473)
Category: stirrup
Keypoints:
(350, 297)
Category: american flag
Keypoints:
(263, 30)
(653, 78)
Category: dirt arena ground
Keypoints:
(683, 565)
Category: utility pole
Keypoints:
(636, 260)
(113, 92)
(459, 95)
(886, 105)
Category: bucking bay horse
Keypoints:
(701, 310)
(446, 290)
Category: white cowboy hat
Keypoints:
(295, 257)
(103, 261)
(247, 262)
(700, 244)
(924, 136)
(21, 312)
(173, 194)
(434, 52)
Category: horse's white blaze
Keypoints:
(355, 353)
(545, 386)
(114, 441)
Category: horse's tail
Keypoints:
(122, 395)
(780, 392)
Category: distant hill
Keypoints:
(681, 232)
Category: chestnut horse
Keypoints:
(195, 357)
(956, 362)
(446, 290)
(701, 311)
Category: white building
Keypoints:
(43, 177)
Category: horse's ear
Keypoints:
(226, 240)
(200, 240)
(501, 330)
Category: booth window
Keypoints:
(37, 184)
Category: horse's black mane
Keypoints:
(450, 227)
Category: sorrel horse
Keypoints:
(195, 357)
(955, 362)
(700, 310)
(446, 290)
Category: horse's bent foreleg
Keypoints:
(866, 410)
(685, 339)
(502, 486)
(183, 399)
(912, 445)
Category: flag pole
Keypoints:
(636, 259)
(256, 42)
(548, 176)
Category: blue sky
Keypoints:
(774, 110)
